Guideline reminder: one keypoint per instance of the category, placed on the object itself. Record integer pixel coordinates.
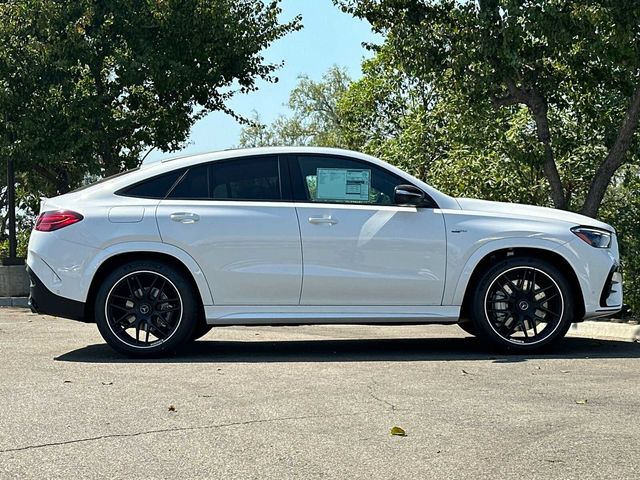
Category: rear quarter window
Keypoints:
(156, 187)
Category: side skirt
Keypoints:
(313, 314)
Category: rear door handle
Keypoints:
(185, 217)
(324, 220)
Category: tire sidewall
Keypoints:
(188, 321)
(481, 323)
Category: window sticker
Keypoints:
(343, 184)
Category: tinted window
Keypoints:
(342, 180)
(156, 187)
(246, 179)
(194, 185)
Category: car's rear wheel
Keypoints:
(200, 331)
(522, 304)
(146, 309)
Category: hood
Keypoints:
(531, 211)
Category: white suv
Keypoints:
(284, 236)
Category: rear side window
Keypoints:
(255, 178)
(246, 179)
(194, 185)
(156, 187)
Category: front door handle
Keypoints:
(185, 217)
(324, 220)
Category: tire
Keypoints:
(469, 327)
(200, 331)
(146, 309)
(522, 305)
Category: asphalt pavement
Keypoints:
(314, 403)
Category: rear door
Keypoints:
(230, 216)
(358, 247)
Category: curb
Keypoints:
(605, 331)
(22, 302)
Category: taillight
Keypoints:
(50, 221)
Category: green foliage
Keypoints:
(391, 115)
(622, 209)
(22, 238)
(314, 119)
(570, 63)
(436, 137)
(86, 86)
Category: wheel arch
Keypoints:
(122, 258)
(534, 252)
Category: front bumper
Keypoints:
(42, 300)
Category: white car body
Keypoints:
(289, 262)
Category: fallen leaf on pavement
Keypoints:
(399, 432)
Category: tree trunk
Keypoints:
(537, 105)
(539, 110)
(614, 158)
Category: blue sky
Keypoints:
(329, 37)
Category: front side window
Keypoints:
(246, 179)
(342, 180)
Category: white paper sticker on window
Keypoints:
(343, 184)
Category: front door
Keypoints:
(358, 247)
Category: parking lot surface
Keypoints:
(314, 402)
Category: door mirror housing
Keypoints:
(408, 195)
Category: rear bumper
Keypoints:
(42, 300)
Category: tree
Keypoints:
(392, 115)
(314, 119)
(557, 58)
(86, 86)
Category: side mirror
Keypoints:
(408, 195)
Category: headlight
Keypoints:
(593, 236)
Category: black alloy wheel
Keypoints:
(146, 308)
(143, 308)
(522, 304)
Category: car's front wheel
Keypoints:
(469, 328)
(522, 304)
(146, 309)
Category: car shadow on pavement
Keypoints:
(358, 350)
